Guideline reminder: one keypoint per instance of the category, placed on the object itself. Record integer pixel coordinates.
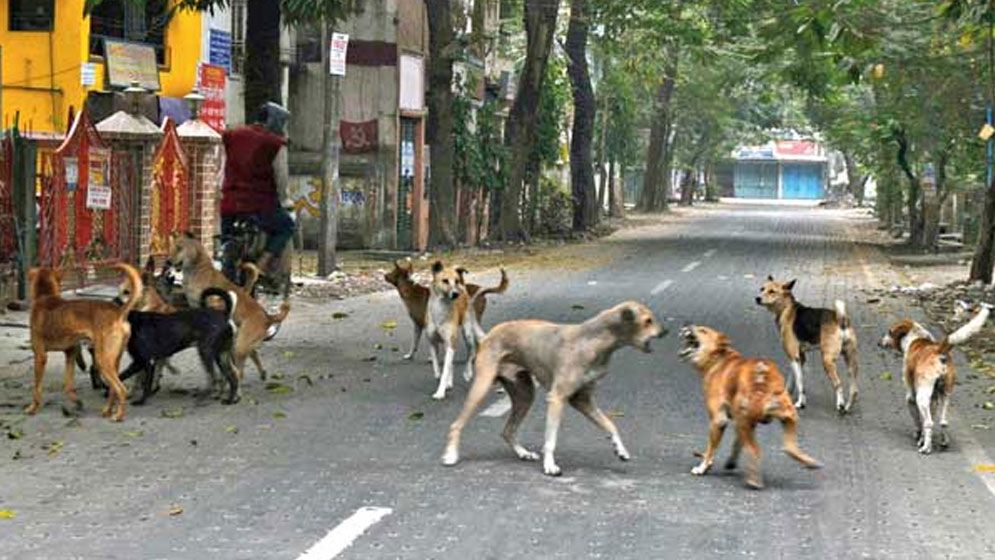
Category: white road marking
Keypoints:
(661, 287)
(499, 408)
(691, 266)
(343, 535)
(975, 455)
(709, 253)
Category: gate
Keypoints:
(8, 230)
(170, 197)
(87, 192)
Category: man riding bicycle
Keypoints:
(255, 183)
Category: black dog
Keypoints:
(157, 336)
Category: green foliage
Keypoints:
(480, 154)
(294, 12)
(553, 112)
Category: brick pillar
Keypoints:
(135, 134)
(204, 154)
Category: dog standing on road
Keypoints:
(61, 325)
(748, 392)
(567, 360)
(802, 328)
(447, 317)
(928, 371)
(415, 298)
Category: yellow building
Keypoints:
(49, 51)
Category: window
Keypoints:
(124, 19)
(32, 15)
(237, 36)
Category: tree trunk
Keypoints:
(602, 156)
(442, 195)
(656, 182)
(329, 216)
(984, 253)
(917, 225)
(687, 187)
(855, 182)
(520, 137)
(263, 72)
(585, 199)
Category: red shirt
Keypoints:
(250, 184)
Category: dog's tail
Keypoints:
(841, 315)
(133, 281)
(229, 298)
(964, 333)
(276, 320)
(501, 288)
(251, 275)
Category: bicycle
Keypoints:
(246, 244)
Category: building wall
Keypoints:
(41, 69)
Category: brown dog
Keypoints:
(747, 391)
(802, 328)
(254, 323)
(928, 372)
(567, 360)
(415, 298)
(61, 325)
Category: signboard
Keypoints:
(212, 87)
(97, 169)
(98, 197)
(72, 173)
(131, 62)
(336, 54)
(87, 74)
(412, 90)
(220, 49)
(797, 148)
(755, 152)
(359, 137)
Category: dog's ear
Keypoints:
(770, 278)
(790, 285)
(437, 267)
(628, 315)
(462, 272)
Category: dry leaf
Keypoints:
(176, 510)
(416, 415)
(984, 468)
(389, 325)
(232, 429)
(306, 378)
(7, 514)
(173, 412)
(616, 413)
(577, 306)
(886, 376)
(279, 414)
(339, 315)
(278, 388)
(288, 354)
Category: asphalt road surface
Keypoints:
(347, 461)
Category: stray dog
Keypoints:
(415, 298)
(157, 336)
(567, 360)
(60, 324)
(254, 324)
(447, 317)
(929, 372)
(802, 328)
(748, 391)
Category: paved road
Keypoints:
(272, 476)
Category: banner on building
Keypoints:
(797, 148)
(212, 87)
(755, 152)
(337, 54)
(359, 137)
(220, 53)
(412, 87)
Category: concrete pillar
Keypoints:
(202, 145)
(133, 133)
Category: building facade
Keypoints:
(784, 169)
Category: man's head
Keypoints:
(273, 117)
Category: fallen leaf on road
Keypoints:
(232, 429)
(616, 413)
(14, 433)
(279, 414)
(980, 427)
(988, 405)
(416, 415)
(389, 325)
(873, 300)
(370, 359)
(985, 468)
(748, 276)
(306, 378)
(74, 423)
(378, 346)
(7, 514)
(53, 448)
(173, 413)
(177, 510)
(278, 388)
(278, 375)
(134, 433)
(339, 315)
(577, 306)
(886, 376)
(288, 354)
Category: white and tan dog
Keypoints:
(929, 373)
(448, 316)
(567, 360)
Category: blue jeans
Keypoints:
(278, 226)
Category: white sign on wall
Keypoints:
(336, 54)
(98, 197)
(412, 95)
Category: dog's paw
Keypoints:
(450, 457)
(526, 455)
(468, 375)
(439, 395)
(926, 448)
(800, 403)
(700, 470)
(754, 483)
(231, 401)
(551, 469)
(408, 356)
(622, 453)
(730, 464)
(944, 439)
(31, 409)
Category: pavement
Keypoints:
(340, 458)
